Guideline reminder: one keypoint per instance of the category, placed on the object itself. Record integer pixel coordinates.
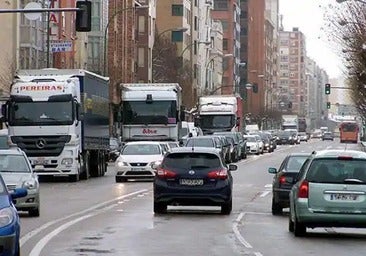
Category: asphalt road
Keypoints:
(101, 217)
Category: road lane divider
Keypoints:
(237, 233)
(25, 238)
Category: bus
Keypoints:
(348, 132)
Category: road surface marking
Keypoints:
(24, 239)
(265, 193)
(268, 186)
(237, 232)
(258, 254)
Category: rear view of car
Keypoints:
(330, 192)
(189, 178)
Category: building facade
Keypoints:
(292, 71)
(228, 12)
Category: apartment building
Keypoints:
(146, 23)
(228, 12)
(292, 70)
(243, 68)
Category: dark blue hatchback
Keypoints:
(193, 176)
(9, 220)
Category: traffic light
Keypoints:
(290, 104)
(83, 16)
(327, 88)
(328, 105)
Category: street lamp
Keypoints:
(210, 61)
(190, 45)
(106, 30)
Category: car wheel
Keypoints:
(34, 212)
(227, 207)
(120, 179)
(299, 229)
(290, 224)
(276, 208)
(160, 207)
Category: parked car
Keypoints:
(114, 149)
(239, 144)
(136, 160)
(284, 179)
(327, 136)
(17, 172)
(330, 192)
(226, 148)
(9, 219)
(193, 177)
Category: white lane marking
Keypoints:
(237, 232)
(265, 193)
(24, 239)
(328, 147)
(43, 242)
(268, 186)
(258, 254)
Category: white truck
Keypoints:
(289, 122)
(220, 113)
(151, 111)
(60, 118)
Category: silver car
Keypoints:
(17, 173)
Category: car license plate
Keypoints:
(191, 182)
(138, 169)
(40, 161)
(343, 197)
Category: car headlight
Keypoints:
(231, 150)
(155, 163)
(267, 145)
(121, 164)
(29, 184)
(67, 161)
(6, 216)
(290, 137)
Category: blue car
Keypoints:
(9, 220)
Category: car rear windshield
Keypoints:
(141, 149)
(294, 163)
(191, 161)
(251, 139)
(206, 143)
(337, 171)
(13, 163)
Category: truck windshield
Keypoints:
(41, 113)
(156, 112)
(217, 121)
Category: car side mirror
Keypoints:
(272, 170)
(155, 166)
(233, 167)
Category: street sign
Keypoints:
(61, 46)
(35, 15)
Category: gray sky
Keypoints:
(308, 16)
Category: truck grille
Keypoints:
(41, 145)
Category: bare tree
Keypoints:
(7, 72)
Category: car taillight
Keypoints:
(304, 189)
(282, 180)
(166, 174)
(218, 174)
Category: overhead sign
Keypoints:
(61, 46)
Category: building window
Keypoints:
(195, 47)
(224, 25)
(225, 45)
(243, 31)
(177, 36)
(195, 71)
(141, 24)
(177, 10)
(195, 23)
(96, 20)
(221, 5)
(141, 57)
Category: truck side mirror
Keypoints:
(182, 114)
(4, 111)
(237, 121)
(79, 115)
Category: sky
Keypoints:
(307, 15)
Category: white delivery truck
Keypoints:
(290, 122)
(151, 111)
(220, 113)
(60, 118)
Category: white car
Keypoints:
(136, 160)
(260, 142)
(17, 172)
(253, 146)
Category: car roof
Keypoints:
(336, 153)
(195, 150)
(299, 154)
(143, 143)
(11, 151)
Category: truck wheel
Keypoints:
(74, 178)
(85, 167)
(94, 164)
(34, 212)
